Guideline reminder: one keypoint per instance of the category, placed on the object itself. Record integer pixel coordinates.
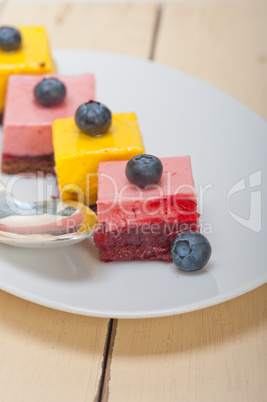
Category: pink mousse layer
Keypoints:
(174, 197)
(27, 125)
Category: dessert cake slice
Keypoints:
(32, 57)
(140, 224)
(27, 125)
(77, 154)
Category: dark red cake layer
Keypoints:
(26, 164)
(156, 233)
(131, 253)
(150, 241)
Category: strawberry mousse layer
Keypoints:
(27, 125)
(140, 224)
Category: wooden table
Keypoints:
(213, 355)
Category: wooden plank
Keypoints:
(1, 6)
(214, 355)
(220, 353)
(223, 43)
(123, 27)
(48, 355)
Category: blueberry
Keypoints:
(190, 250)
(10, 38)
(144, 170)
(50, 92)
(93, 118)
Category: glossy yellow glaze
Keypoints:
(90, 221)
(33, 57)
(77, 155)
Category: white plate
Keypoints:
(178, 115)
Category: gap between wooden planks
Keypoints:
(103, 390)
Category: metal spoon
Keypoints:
(42, 224)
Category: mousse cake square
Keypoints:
(77, 155)
(27, 125)
(140, 224)
(33, 57)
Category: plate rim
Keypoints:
(136, 315)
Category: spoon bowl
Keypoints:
(45, 224)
